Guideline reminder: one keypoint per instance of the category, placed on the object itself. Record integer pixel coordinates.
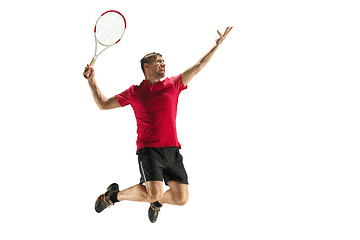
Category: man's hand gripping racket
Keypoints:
(108, 31)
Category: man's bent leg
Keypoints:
(178, 194)
(151, 192)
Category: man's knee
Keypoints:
(182, 199)
(180, 193)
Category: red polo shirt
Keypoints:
(155, 108)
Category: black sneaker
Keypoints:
(103, 201)
(153, 212)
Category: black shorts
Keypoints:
(158, 164)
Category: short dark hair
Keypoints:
(148, 58)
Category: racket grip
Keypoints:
(93, 61)
(91, 64)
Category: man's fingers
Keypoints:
(88, 70)
(228, 29)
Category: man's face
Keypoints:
(157, 67)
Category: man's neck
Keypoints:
(153, 80)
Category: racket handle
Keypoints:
(91, 64)
(93, 61)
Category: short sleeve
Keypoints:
(124, 97)
(178, 83)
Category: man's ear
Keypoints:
(146, 66)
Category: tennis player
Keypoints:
(154, 102)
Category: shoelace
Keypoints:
(153, 207)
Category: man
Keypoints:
(155, 107)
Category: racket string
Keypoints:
(110, 28)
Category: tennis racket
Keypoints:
(108, 31)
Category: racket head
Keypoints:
(110, 28)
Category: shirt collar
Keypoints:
(146, 83)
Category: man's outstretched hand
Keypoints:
(223, 36)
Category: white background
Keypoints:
(269, 128)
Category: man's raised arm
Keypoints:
(192, 71)
(102, 102)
